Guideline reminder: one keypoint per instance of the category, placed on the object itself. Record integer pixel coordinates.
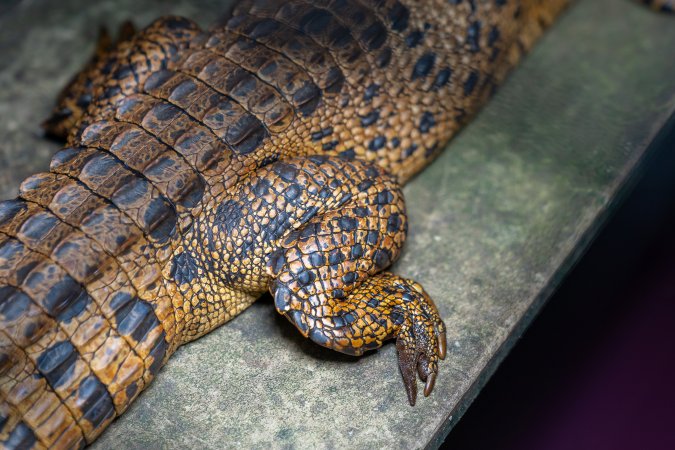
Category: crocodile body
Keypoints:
(205, 168)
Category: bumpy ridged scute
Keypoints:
(204, 168)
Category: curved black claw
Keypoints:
(420, 343)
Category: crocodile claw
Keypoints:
(420, 343)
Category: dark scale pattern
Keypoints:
(204, 168)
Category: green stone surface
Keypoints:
(496, 222)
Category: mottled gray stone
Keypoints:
(496, 222)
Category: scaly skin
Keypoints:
(206, 168)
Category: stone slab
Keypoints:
(496, 222)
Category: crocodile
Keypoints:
(203, 169)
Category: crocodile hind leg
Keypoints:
(116, 71)
(326, 280)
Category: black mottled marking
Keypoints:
(373, 303)
(165, 111)
(377, 143)
(12, 247)
(349, 318)
(158, 79)
(413, 39)
(184, 89)
(318, 159)
(426, 122)
(335, 257)
(267, 160)
(330, 145)
(394, 223)
(10, 208)
(60, 158)
(262, 28)
(292, 192)
(318, 336)
(95, 401)
(350, 277)
(324, 193)
(317, 259)
(131, 390)
(399, 16)
(473, 36)
(228, 215)
(307, 98)
(310, 230)
(338, 321)
(296, 317)
(60, 296)
(83, 100)
(277, 261)
(184, 268)
(442, 78)
(364, 185)
(246, 134)
(57, 363)
(74, 308)
(306, 277)
(395, 142)
(318, 135)
(315, 21)
(423, 66)
(138, 321)
(21, 437)
(361, 211)
(370, 118)
(340, 37)
(371, 92)
(382, 258)
(334, 81)
(470, 83)
(158, 353)
(261, 187)
(410, 150)
(13, 303)
(384, 197)
(372, 171)
(192, 193)
(372, 237)
(161, 218)
(374, 36)
(338, 293)
(356, 251)
(285, 171)
(397, 317)
(282, 295)
(348, 154)
(37, 226)
(348, 223)
(111, 92)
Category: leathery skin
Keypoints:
(205, 168)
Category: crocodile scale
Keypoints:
(205, 168)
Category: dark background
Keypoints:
(596, 369)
